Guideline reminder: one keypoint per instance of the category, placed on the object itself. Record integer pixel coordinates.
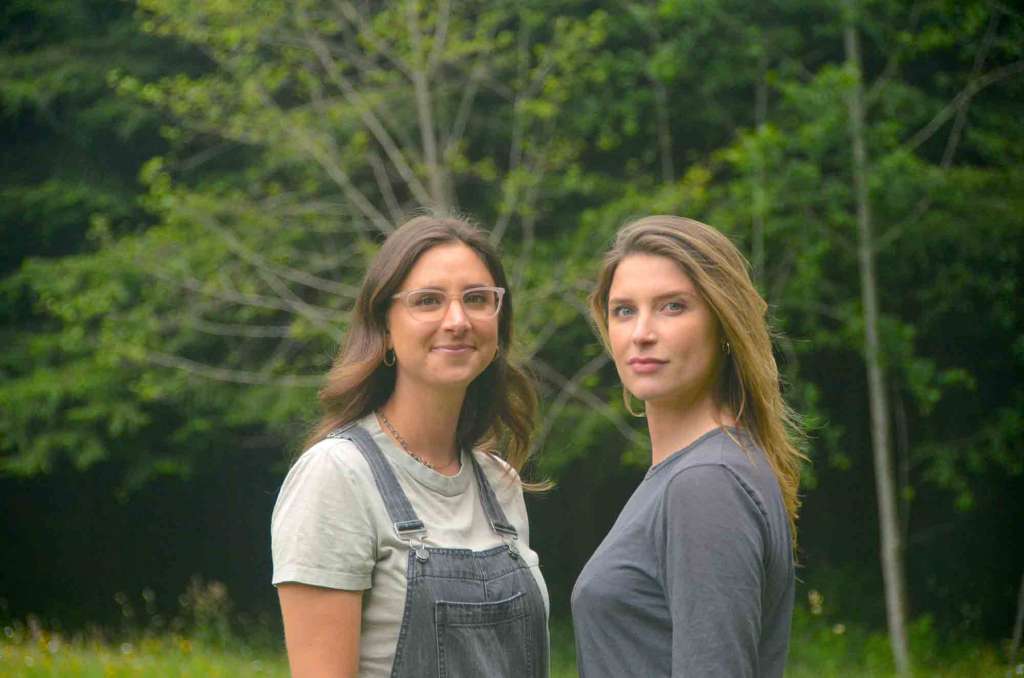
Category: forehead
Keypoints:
(452, 264)
(649, 275)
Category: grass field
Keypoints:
(818, 650)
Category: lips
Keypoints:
(645, 365)
(454, 348)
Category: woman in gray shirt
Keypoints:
(696, 576)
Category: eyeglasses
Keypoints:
(479, 303)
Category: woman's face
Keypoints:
(663, 335)
(453, 350)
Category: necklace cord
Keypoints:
(405, 446)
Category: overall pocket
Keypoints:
(484, 639)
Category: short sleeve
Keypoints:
(321, 533)
(711, 555)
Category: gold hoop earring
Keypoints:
(627, 398)
(394, 358)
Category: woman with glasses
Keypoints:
(696, 576)
(400, 536)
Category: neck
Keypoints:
(427, 419)
(674, 425)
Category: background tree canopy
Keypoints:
(191, 191)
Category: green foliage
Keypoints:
(820, 648)
(196, 187)
(823, 645)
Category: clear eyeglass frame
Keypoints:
(431, 304)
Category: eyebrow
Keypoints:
(666, 295)
(441, 288)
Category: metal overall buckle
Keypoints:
(412, 533)
(509, 536)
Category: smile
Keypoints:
(454, 349)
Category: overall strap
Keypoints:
(492, 509)
(407, 524)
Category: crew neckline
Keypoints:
(682, 451)
(448, 486)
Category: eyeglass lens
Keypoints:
(432, 304)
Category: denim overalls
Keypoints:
(467, 613)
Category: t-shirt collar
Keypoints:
(448, 486)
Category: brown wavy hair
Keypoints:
(500, 406)
(749, 384)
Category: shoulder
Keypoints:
(331, 472)
(721, 471)
(734, 452)
(503, 478)
(493, 465)
(330, 456)
(328, 497)
(732, 448)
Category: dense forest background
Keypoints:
(190, 189)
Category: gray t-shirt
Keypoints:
(696, 576)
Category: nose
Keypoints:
(455, 319)
(643, 330)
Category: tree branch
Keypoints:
(229, 375)
(961, 113)
(380, 173)
(440, 35)
(972, 88)
(425, 113)
(238, 330)
(570, 388)
(366, 114)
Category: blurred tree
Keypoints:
(915, 57)
(71, 155)
(294, 135)
(313, 130)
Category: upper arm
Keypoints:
(321, 530)
(321, 630)
(712, 550)
(324, 549)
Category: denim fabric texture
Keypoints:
(467, 613)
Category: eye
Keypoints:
(621, 311)
(477, 298)
(426, 299)
(674, 307)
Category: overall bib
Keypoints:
(468, 613)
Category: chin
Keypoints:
(457, 377)
(644, 391)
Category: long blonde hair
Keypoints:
(500, 406)
(749, 385)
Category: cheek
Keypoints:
(618, 339)
(490, 331)
(404, 333)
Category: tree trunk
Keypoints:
(760, 179)
(425, 116)
(1018, 629)
(892, 550)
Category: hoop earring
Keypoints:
(394, 358)
(627, 398)
(726, 347)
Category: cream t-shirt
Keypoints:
(330, 528)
